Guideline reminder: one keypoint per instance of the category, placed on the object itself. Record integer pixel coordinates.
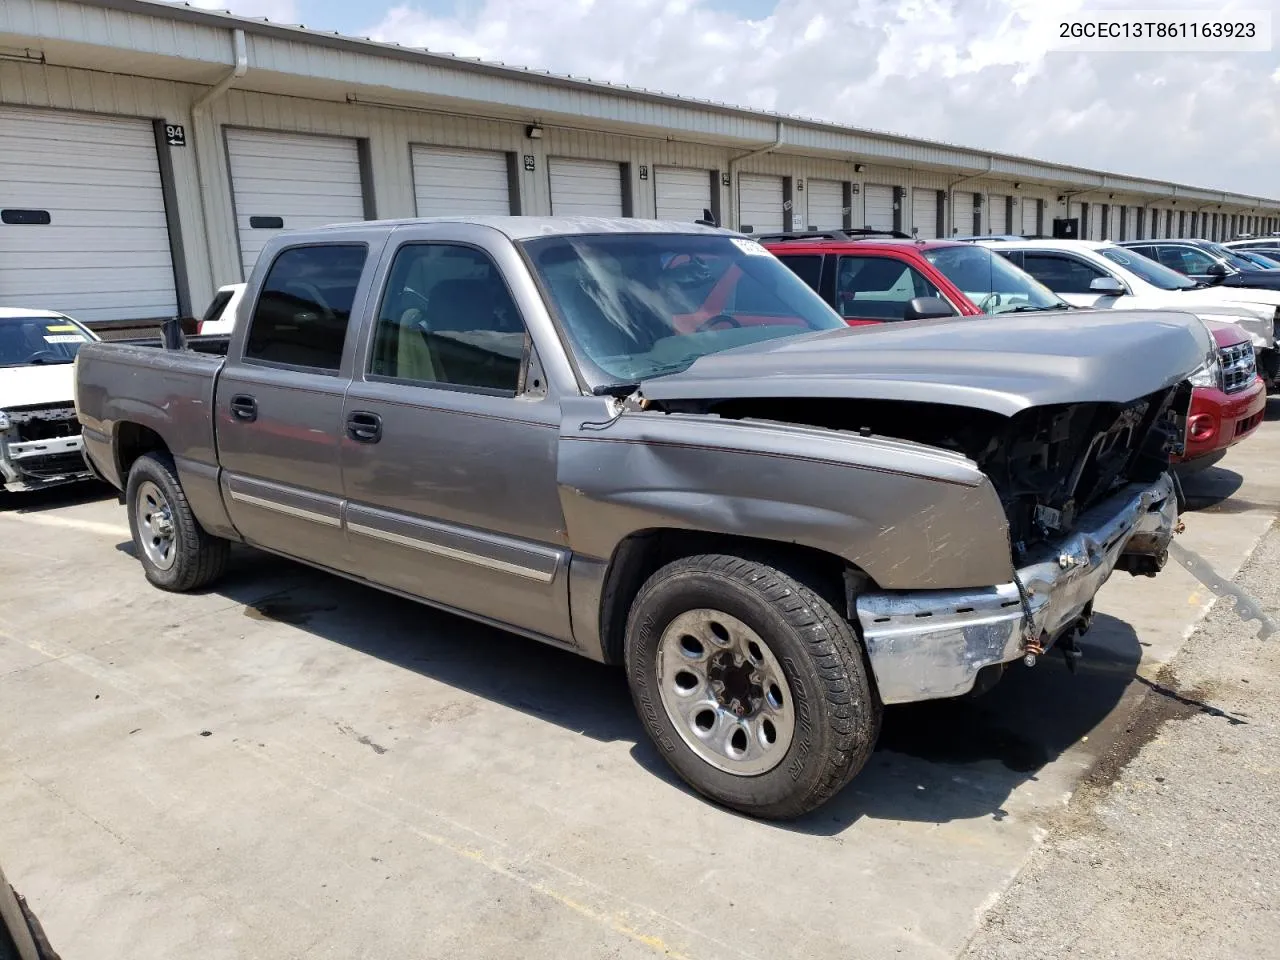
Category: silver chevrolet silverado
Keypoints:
(652, 444)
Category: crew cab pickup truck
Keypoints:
(651, 443)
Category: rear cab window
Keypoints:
(806, 266)
(304, 307)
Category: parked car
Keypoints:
(220, 316)
(39, 435)
(1228, 403)
(1103, 275)
(1260, 260)
(1269, 242)
(21, 935)
(877, 278)
(1208, 262)
(654, 445)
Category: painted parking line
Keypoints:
(69, 523)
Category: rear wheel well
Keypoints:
(641, 554)
(132, 441)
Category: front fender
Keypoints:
(908, 515)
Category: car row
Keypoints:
(872, 278)
(653, 444)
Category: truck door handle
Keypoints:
(364, 427)
(244, 407)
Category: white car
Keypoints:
(1102, 275)
(220, 317)
(40, 443)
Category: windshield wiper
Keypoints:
(1029, 308)
(619, 390)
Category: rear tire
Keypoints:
(176, 553)
(752, 687)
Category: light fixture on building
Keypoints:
(533, 132)
(1017, 186)
(857, 168)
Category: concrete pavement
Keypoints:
(297, 766)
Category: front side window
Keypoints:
(641, 305)
(302, 313)
(879, 288)
(35, 341)
(991, 281)
(1060, 274)
(1139, 261)
(447, 319)
(1186, 260)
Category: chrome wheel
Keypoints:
(725, 692)
(155, 525)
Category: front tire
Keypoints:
(752, 687)
(176, 553)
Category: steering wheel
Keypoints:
(718, 318)
(43, 353)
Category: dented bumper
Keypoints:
(925, 645)
(33, 464)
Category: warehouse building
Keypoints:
(149, 150)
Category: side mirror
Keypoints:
(1107, 286)
(927, 308)
(1217, 270)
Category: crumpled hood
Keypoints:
(37, 384)
(1004, 363)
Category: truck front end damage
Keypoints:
(40, 446)
(930, 644)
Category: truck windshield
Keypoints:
(1156, 274)
(642, 305)
(993, 283)
(35, 340)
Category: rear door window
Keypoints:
(878, 288)
(302, 313)
(808, 267)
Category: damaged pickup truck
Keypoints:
(39, 433)
(651, 443)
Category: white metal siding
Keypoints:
(962, 210)
(998, 214)
(449, 182)
(585, 188)
(924, 213)
(680, 193)
(760, 202)
(1030, 216)
(826, 204)
(877, 202)
(307, 181)
(105, 254)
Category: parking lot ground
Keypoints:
(292, 765)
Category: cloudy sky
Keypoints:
(973, 72)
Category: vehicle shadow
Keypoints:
(1211, 487)
(935, 762)
(54, 498)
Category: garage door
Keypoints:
(999, 213)
(585, 188)
(1030, 216)
(760, 202)
(877, 205)
(681, 194)
(84, 228)
(962, 212)
(286, 181)
(449, 182)
(1075, 212)
(924, 213)
(826, 204)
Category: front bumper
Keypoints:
(1217, 420)
(924, 645)
(32, 464)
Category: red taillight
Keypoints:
(1201, 427)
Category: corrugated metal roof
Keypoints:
(804, 132)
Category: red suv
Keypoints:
(877, 277)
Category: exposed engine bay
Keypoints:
(40, 446)
(1047, 464)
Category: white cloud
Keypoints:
(975, 72)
